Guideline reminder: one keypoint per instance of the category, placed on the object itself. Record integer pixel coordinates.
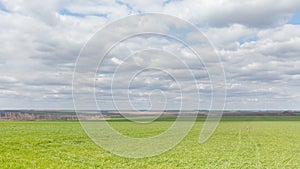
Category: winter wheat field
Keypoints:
(238, 142)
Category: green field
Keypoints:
(238, 142)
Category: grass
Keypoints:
(239, 142)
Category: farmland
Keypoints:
(238, 142)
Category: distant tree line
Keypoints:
(11, 115)
(71, 115)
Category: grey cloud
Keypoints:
(262, 13)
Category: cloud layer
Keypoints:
(257, 41)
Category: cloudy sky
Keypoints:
(258, 42)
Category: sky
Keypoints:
(258, 43)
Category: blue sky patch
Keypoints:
(3, 8)
(99, 15)
(243, 40)
(129, 7)
(67, 12)
(169, 1)
(295, 20)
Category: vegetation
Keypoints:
(239, 142)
